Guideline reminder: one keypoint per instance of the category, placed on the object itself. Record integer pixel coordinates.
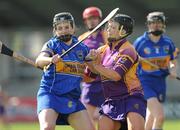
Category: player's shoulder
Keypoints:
(141, 39)
(82, 36)
(76, 40)
(167, 38)
(80, 45)
(52, 40)
(126, 44)
(103, 33)
(128, 49)
(83, 46)
(168, 41)
(49, 45)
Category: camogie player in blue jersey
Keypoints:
(158, 49)
(58, 98)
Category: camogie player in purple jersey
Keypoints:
(117, 63)
(92, 95)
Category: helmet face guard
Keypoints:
(156, 17)
(64, 16)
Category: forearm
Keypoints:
(91, 67)
(42, 61)
(108, 73)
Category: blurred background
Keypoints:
(25, 25)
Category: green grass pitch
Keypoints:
(168, 125)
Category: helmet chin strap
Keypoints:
(120, 33)
(122, 36)
(156, 32)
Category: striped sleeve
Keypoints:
(125, 61)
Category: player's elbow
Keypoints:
(38, 62)
(87, 79)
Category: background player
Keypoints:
(92, 95)
(159, 50)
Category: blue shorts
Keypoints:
(93, 95)
(63, 104)
(154, 87)
(117, 109)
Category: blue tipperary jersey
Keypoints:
(159, 53)
(62, 78)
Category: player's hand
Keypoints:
(98, 58)
(172, 70)
(55, 59)
(93, 56)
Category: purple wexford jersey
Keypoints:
(124, 60)
(94, 42)
(92, 91)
